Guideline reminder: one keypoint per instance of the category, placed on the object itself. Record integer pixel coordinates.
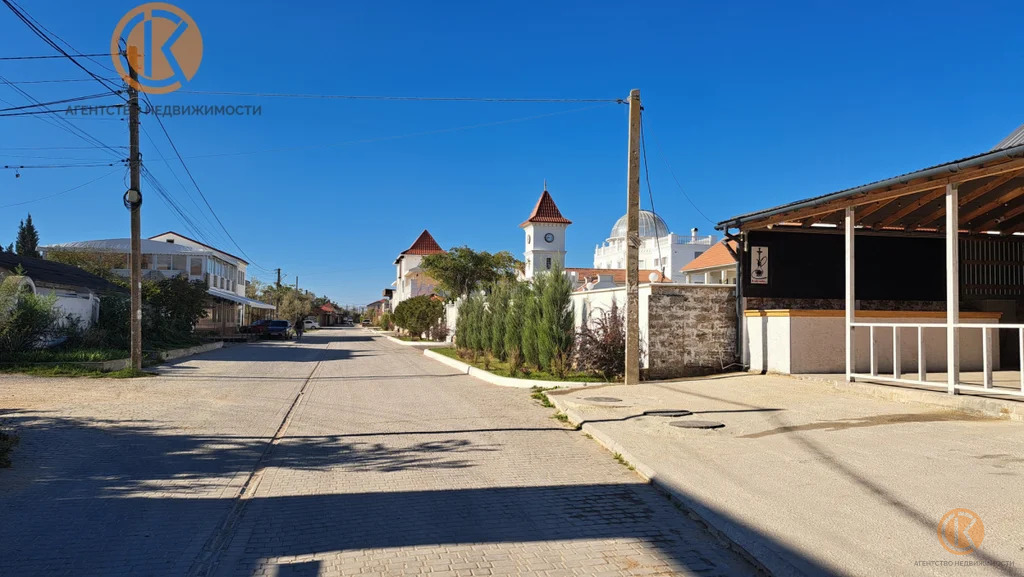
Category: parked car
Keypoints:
(279, 329)
(366, 322)
(256, 328)
(310, 324)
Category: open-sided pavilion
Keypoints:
(905, 279)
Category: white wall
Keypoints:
(589, 302)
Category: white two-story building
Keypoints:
(172, 254)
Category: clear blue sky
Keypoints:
(753, 105)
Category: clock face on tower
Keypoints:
(549, 237)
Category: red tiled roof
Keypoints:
(546, 211)
(716, 256)
(618, 274)
(327, 308)
(425, 244)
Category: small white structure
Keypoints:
(77, 291)
(660, 249)
(411, 280)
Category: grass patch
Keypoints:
(539, 394)
(618, 457)
(501, 369)
(72, 371)
(66, 356)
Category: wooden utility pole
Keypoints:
(296, 283)
(135, 206)
(633, 243)
(277, 293)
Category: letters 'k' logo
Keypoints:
(162, 45)
(961, 531)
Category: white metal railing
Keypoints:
(987, 354)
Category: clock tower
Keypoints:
(545, 236)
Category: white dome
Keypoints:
(650, 225)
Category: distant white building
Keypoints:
(411, 280)
(171, 254)
(660, 249)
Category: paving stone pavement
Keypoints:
(388, 464)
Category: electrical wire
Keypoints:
(400, 98)
(59, 193)
(59, 80)
(650, 193)
(43, 57)
(400, 136)
(198, 189)
(52, 102)
(674, 178)
(38, 31)
(33, 166)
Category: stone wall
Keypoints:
(691, 330)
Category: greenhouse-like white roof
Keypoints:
(123, 245)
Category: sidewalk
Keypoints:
(806, 478)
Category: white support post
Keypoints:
(952, 287)
(897, 357)
(986, 356)
(922, 362)
(851, 357)
(873, 350)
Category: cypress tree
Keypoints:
(27, 242)
(500, 294)
(514, 318)
(532, 322)
(557, 330)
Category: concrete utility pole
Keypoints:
(296, 283)
(134, 197)
(633, 243)
(277, 294)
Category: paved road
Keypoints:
(343, 454)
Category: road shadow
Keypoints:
(100, 497)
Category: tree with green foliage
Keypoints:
(27, 243)
(519, 294)
(418, 314)
(462, 270)
(556, 330)
(101, 264)
(533, 321)
(498, 300)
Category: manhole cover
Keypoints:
(668, 413)
(697, 424)
(603, 399)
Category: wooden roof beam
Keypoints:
(992, 204)
(994, 222)
(872, 209)
(911, 207)
(1016, 165)
(938, 214)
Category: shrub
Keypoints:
(498, 306)
(26, 319)
(386, 321)
(601, 344)
(439, 331)
(8, 440)
(418, 314)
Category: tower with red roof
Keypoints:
(545, 236)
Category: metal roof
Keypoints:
(123, 245)
(55, 273)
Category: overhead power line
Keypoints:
(44, 104)
(72, 189)
(45, 56)
(43, 35)
(674, 178)
(198, 189)
(411, 98)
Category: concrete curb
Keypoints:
(763, 558)
(189, 351)
(498, 380)
(968, 403)
(417, 343)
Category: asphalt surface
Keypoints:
(340, 455)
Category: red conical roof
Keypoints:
(425, 244)
(546, 211)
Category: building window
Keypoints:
(179, 262)
(547, 263)
(196, 266)
(147, 261)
